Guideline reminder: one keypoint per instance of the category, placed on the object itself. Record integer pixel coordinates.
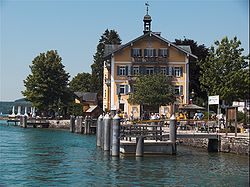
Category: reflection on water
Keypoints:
(42, 157)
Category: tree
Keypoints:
(201, 51)
(82, 82)
(152, 90)
(46, 86)
(108, 37)
(225, 71)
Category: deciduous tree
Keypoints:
(225, 71)
(152, 90)
(82, 82)
(47, 85)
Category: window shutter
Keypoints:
(159, 52)
(167, 52)
(181, 71)
(118, 70)
(170, 70)
(173, 72)
(140, 52)
(167, 70)
(154, 51)
(181, 90)
(145, 52)
(117, 89)
(126, 70)
(126, 89)
(132, 54)
(131, 70)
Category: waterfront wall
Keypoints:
(236, 145)
(59, 124)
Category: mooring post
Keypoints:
(172, 132)
(23, 121)
(106, 133)
(86, 123)
(139, 146)
(72, 124)
(78, 128)
(99, 131)
(116, 136)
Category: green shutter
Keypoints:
(118, 70)
(145, 52)
(181, 69)
(167, 70)
(117, 89)
(126, 70)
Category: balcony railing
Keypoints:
(156, 59)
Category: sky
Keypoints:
(74, 27)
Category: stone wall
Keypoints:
(59, 124)
(236, 145)
(194, 142)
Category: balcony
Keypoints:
(149, 60)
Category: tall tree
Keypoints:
(47, 85)
(225, 71)
(82, 82)
(108, 37)
(201, 51)
(152, 90)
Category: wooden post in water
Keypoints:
(172, 132)
(78, 128)
(116, 136)
(23, 121)
(106, 133)
(86, 123)
(99, 131)
(139, 146)
(72, 124)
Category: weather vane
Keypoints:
(147, 4)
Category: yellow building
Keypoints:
(147, 54)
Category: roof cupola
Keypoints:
(147, 21)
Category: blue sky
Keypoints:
(74, 28)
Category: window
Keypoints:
(178, 71)
(122, 89)
(163, 70)
(178, 90)
(149, 70)
(163, 52)
(135, 70)
(122, 70)
(136, 52)
(149, 52)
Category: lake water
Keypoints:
(45, 157)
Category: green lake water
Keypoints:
(45, 157)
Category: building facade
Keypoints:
(147, 54)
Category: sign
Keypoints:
(214, 100)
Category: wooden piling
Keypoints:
(72, 124)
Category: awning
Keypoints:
(191, 107)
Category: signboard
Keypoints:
(214, 100)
